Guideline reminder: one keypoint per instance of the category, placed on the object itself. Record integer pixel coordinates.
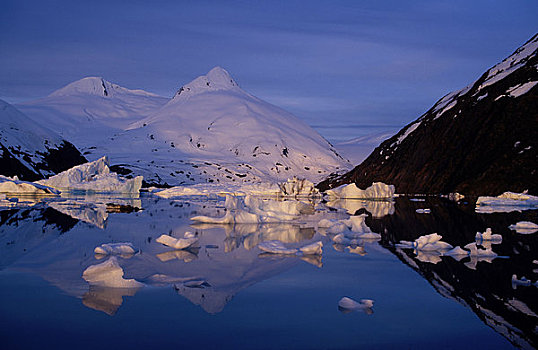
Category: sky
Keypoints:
(346, 67)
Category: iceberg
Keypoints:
(427, 243)
(251, 210)
(16, 186)
(378, 190)
(93, 177)
(177, 243)
(348, 305)
(488, 236)
(108, 274)
(115, 249)
(524, 227)
(479, 252)
(506, 202)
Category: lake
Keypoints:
(227, 294)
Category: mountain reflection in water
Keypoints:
(56, 242)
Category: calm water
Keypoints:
(253, 300)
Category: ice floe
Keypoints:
(177, 243)
(13, 185)
(93, 177)
(524, 227)
(109, 274)
(423, 211)
(488, 236)
(378, 190)
(506, 202)
(252, 210)
(348, 305)
(123, 249)
(277, 247)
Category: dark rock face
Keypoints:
(30, 151)
(481, 140)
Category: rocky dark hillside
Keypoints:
(481, 140)
(30, 151)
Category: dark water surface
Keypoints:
(253, 300)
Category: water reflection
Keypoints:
(57, 240)
(482, 284)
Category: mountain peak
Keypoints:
(216, 79)
(96, 86)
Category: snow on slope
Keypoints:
(91, 109)
(214, 131)
(25, 147)
(210, 131)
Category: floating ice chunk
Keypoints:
(176, 243)
(524, 227)
(276, 247)
(342, 239)
(423, 211)
(189, 234)
(348, 305)
(488, 236)
(312, 249)
(378, 190)
(417, 199)
(426, 243)
(474, 250)
(16, 186)
(115, 249)
(108, 274)
(520, 282)
(251, 210)
(359, 250)
(93, 177)
(506, 202)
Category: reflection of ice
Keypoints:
(106, 299)
(524, 227)
(378, 208)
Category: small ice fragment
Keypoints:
(475, 251)
(176, 243)
(524, 227)
(115, 249)
(423, 211)
(189, 234)
(520, 282)
(347, 305)
(312, 249)
(108, 274)
(276, 247)
(417, 200)
(488, 236)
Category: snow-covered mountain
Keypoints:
(210, 131)
(91, 109)
(479, 140)
(31, 151)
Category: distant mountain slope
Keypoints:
(30, 151)
(479, 140)
(91, 109)
(229, 135)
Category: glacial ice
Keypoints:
(378, 190)
(506, 202)
(93, 177)
(252, 210)
(125, 248)
(16, 186)
(488, 236)
(524, 227)
(177, 243)
(348, 305)
(479, 252)
(108, 274)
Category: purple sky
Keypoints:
(360, 63)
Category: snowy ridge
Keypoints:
(97, 86)
(216, 79)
